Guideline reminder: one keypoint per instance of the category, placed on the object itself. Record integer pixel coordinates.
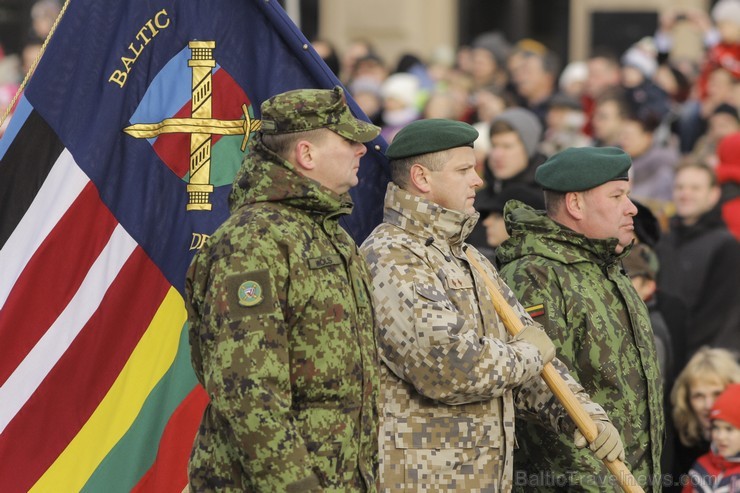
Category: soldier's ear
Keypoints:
(574, 204)
(419, 177)
(304, 155)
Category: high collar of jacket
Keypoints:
(707, 222)
(266, 177)
(421, 217)
(534, 233)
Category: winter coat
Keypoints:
(451, 376)
(578, 291)
(700, 264)
(281, 334)
(713, 473)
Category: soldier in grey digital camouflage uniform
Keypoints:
(451, 377)
(281, 324)
(564, 265)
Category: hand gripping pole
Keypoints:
(557, 385)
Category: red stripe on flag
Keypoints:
(52, 276)
(71, 392)
(227, 100)
(171, 464)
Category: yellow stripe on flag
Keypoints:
(148, 363)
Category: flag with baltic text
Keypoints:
(115, 168)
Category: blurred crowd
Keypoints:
(676, 118)
(15, 66)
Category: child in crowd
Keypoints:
(719, 469)
(707, 374)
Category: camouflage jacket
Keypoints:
(577, 290)
(281, 332)
(451, 376)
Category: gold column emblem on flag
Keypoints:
(201, 126)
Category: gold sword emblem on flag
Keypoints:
(201, 126)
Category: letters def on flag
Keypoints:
(115, 167)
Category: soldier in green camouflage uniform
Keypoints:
(451, 377)
(281, 323)
(564, 266)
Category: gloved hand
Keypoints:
(537, 337)
(607, 443)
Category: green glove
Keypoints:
(607, 444)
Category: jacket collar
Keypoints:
(421, 217)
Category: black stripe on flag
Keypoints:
(23, 169)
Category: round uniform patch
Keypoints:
(250, 294)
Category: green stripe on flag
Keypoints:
(135, 453)
(226, 159)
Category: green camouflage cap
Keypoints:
(301, 110)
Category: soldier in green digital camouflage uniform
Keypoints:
(565, 267)
(452, 377)
(281, 325)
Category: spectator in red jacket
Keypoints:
(728, 176)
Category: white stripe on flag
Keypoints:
(63, 184)
(41, 359)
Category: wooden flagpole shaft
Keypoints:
(557, 385)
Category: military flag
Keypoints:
(114, 170)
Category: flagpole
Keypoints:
(556, 383)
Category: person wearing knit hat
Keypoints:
(639, 64)
(512, 159)
(726, 11)
(489, 52)
(643, 56)
(401, 93)
(450, 373)
(725, 55)
(719, 469)
(728, 176)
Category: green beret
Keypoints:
(431, 135)
(581, 168)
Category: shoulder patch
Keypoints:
(535, 310)
(249, 293)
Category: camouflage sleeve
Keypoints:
(425, 340)
(245, 365)
(543, 298)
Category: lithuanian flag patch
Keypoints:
(535, 310)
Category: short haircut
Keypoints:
(282, 144)
(554, 201)
(690, 163)
(401, 168)
(619, 98)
